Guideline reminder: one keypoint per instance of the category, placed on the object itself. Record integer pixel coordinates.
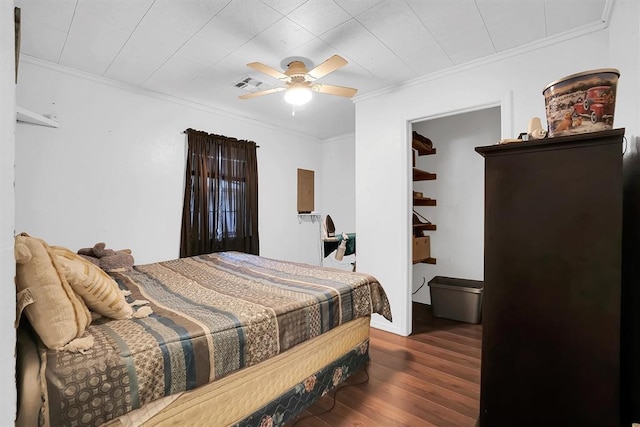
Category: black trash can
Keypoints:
(456, 299)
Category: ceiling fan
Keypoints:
(300, 83)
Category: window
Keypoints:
(221, 196)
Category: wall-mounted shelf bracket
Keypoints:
(311, 217)
(25, 116)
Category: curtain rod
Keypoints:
(186, 131)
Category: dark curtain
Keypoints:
(220, 211)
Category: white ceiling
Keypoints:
(196, 50)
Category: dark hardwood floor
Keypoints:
(431, 378)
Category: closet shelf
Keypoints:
(421, 144)
(420, 227)
(425, 152)
(423, 201)
(421, 243)
(420, 175)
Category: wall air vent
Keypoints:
(251, 84)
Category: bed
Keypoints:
(233, 339)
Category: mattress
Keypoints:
(214, 315)
(244, 393)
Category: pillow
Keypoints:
(56, 313)
(98, 290)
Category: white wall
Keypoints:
(514, 82)
(338, 186)
(114, 169)
(338, 191)
(458, 242)
(7, 260)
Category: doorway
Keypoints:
(457, 243)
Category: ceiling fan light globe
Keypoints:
(298, 95)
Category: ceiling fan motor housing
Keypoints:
(296, 69)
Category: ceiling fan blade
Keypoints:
(268, 70)
(327, 67)
(261, 93)
(347, 92)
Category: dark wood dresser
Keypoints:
(552, 310)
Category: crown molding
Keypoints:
(146, 92)
(549, 41)
(350, 135)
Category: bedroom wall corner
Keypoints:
(7, 213)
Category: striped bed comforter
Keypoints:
(212, 315)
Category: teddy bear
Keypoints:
(108, 259)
